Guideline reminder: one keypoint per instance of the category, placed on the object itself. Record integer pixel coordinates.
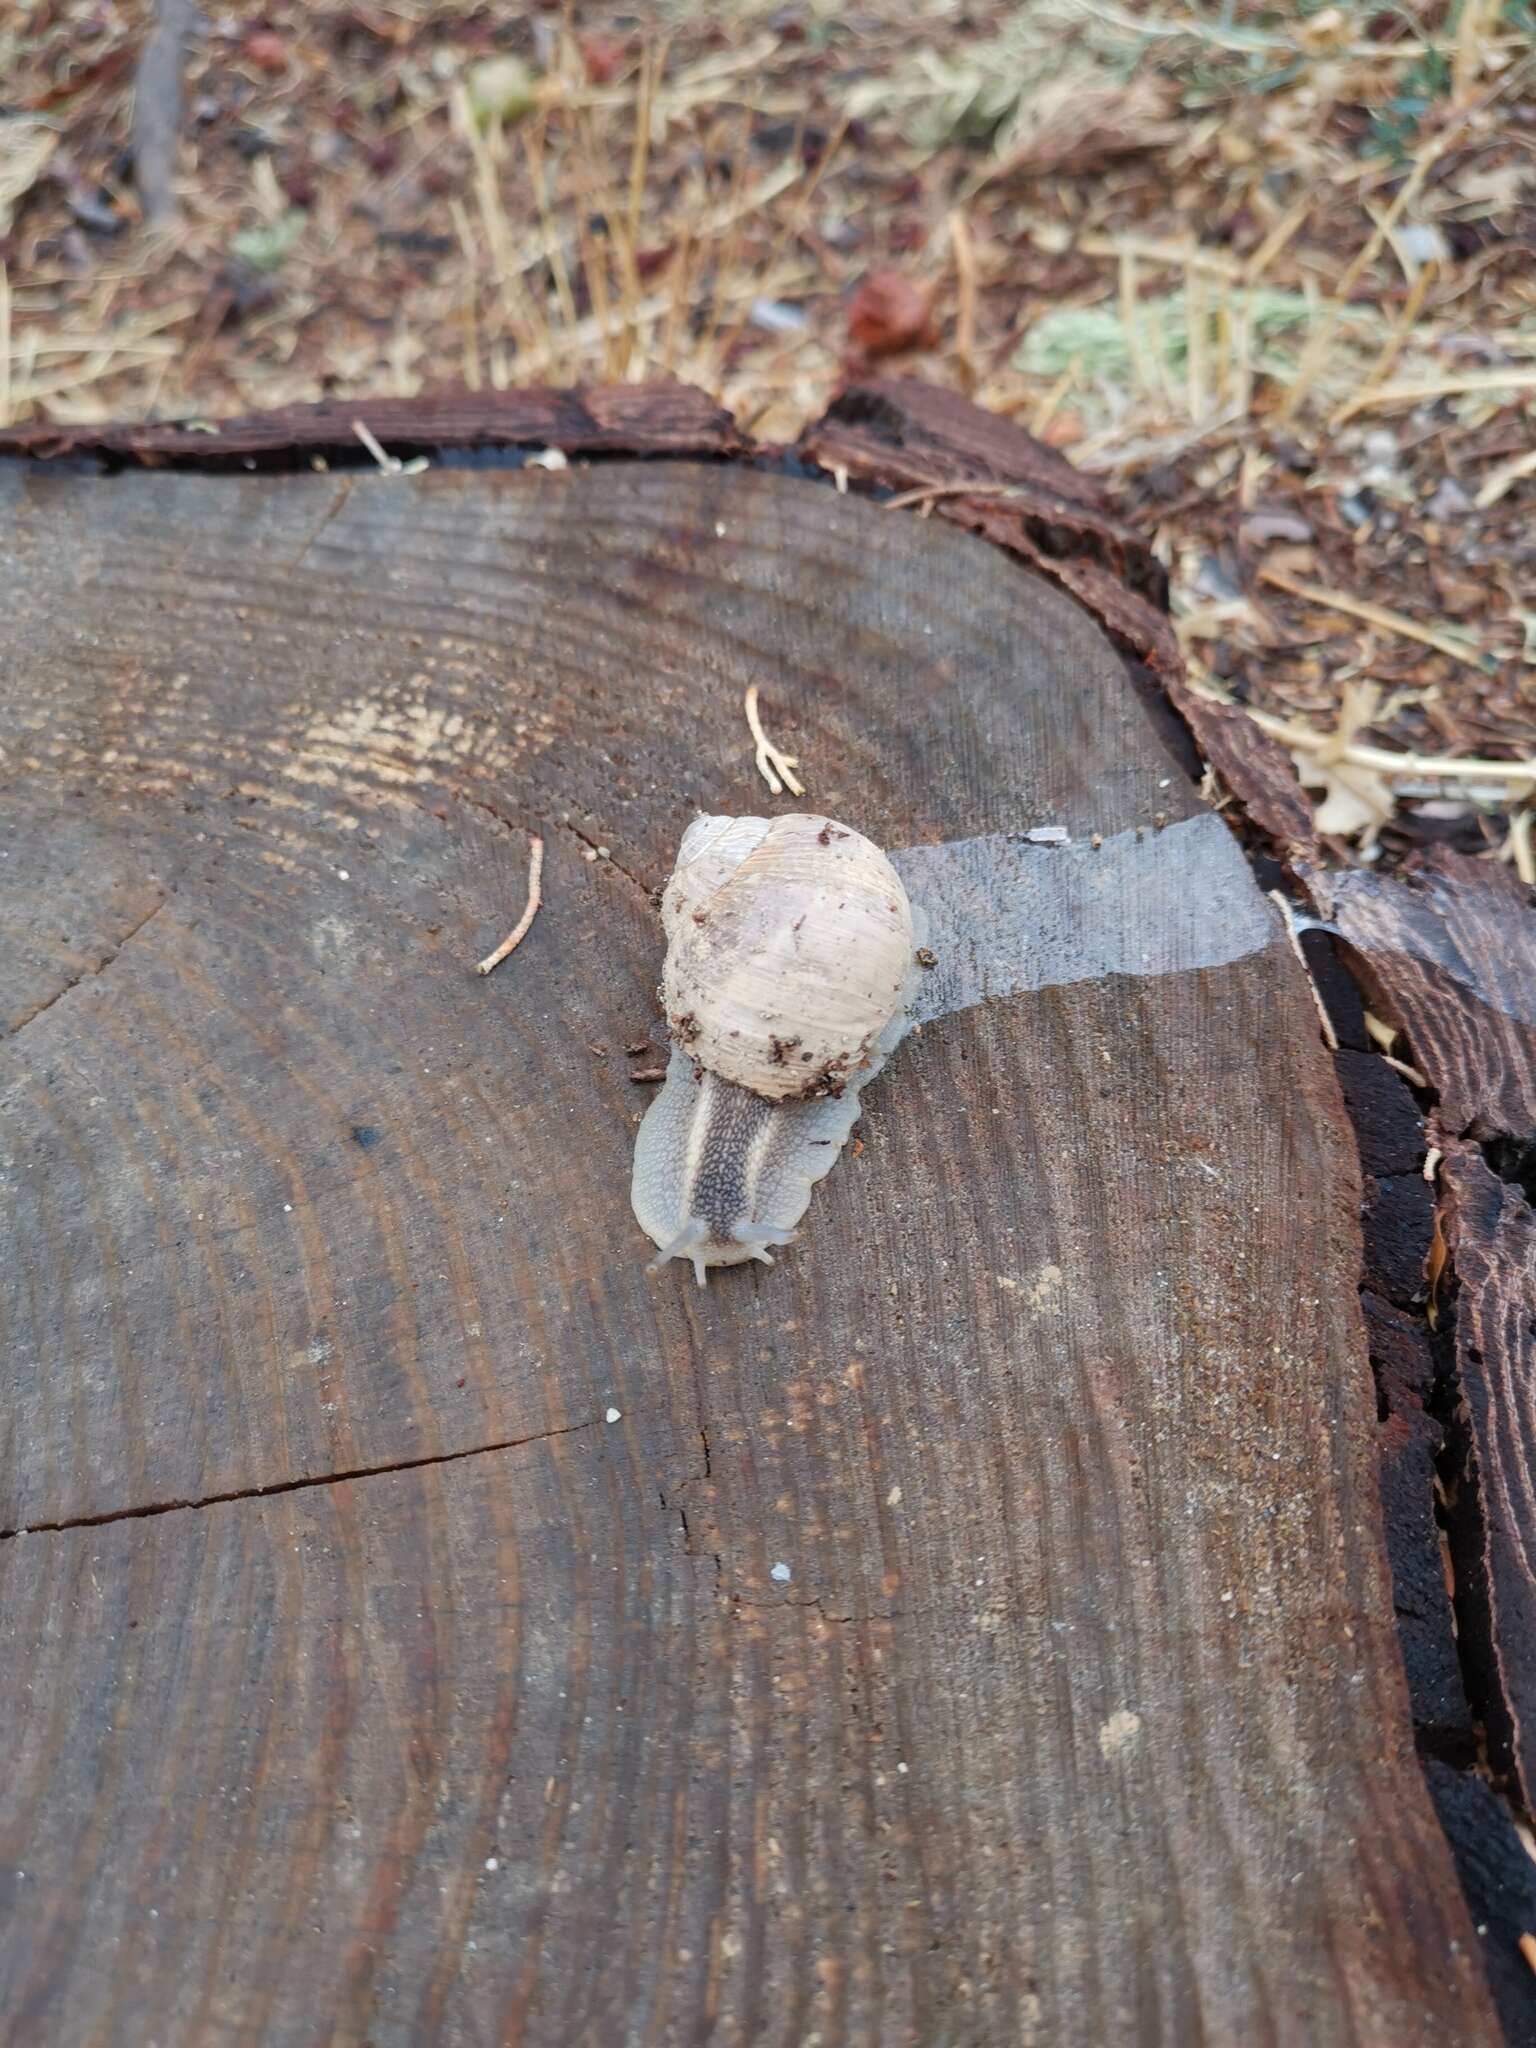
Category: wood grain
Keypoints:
(1491, 1228)
(1079, 1715)
(910, 436)
(660, 417)
(1449, 953)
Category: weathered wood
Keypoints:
(1411, 1442)
(1500, 1880)
(157, 100)
(1447, 953)
(661, 418)
(1492, 1229)
(1079, 1715)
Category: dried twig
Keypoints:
(1306, 739)
(157, 109)
(1409, 1074)
(1316, 350)
(1378, 615)
(929, 494)
(1516, 378)
(1330, 1036)
(519, 931)
(776, 769)
(389, 465)
(1517, 846)
(964, 251)
(1504, 478)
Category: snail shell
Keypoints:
(789, 970)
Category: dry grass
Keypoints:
(1267, 273)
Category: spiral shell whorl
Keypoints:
(789, 951)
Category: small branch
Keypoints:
(1503, 479)
(1378, 615)
(389, 465)
(519, 931)
(1330, 1036)
(1517, 846)
(776, 769)
(963, 250)
(1306, 739)
(157, 109)
(929, 494)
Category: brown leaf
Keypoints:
(1074, 128)
(889, 313)
(601, 57)
(266, 49)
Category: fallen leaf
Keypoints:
(1072, 127)
(889, 313)
(1356, 801)
(264, 247)
(601, 57)
(1266, 523)
(1352, 800)
(266, 49)
(25, 147)
(1095, 338)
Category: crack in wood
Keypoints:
(86, 974)
(304, 1485)
(647, 889)
(348, 485)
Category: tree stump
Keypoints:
(422, 1626)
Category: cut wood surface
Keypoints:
(426, 1627)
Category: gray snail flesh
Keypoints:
(789, 976)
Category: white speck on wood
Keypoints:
(1120, 1732)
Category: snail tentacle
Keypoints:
(688, 1244)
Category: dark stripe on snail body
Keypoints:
(789, 973)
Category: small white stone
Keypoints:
(782, 1573)
(491, 1863)
(342, 875)
(613, 1415)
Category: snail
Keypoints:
(790, 969)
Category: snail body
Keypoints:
(789, 971)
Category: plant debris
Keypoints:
(777, 769)
(1269, 278)
(519, 931)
